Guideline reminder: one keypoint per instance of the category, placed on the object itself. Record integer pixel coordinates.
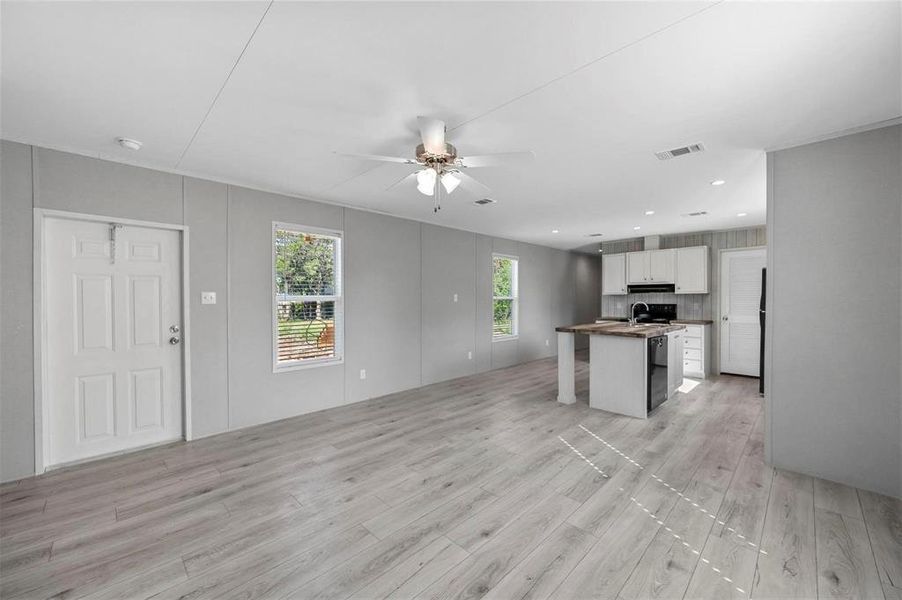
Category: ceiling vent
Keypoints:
(690, 149)
(698, 213)
(594, 235)
(484, 201)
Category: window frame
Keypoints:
(515, 297)
(337, 298)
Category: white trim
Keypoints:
(41, 408)
(337, 298)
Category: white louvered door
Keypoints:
(740, 294)
(113, 331)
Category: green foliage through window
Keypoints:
(504, 304)
(307, 294)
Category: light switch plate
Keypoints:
(363, 373)
(455, 297)
(208, 297)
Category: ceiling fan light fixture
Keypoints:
(450, 182)
(426, 181)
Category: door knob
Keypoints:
(174, 340)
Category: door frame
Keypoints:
(720, 289)
(41, 408)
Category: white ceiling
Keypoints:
(265, 95)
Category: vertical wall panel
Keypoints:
(382, 304)
(833, 389)
(535, 303)
(449, 327)
(484, 304)
(16, 318)
(206, 215)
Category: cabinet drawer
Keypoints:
(692, 342)
(692, 354)
(692, 367)
(693, 331)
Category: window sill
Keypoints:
(311, 364)
(504, 338)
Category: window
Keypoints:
(504, 300)
(307, 296)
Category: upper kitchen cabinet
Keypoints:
(661, 266)
(692, 270)
(650, 266)
(613, 274)
(637, 267)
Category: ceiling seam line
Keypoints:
(224, 83)
(588, 64)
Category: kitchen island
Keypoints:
(618, 364)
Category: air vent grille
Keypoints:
(595, 235)
(698, 213)
(682, 151)
(484, 201)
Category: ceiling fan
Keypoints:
(439, 167)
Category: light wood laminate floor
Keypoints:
(482, 487)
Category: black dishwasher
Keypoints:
(657, 371)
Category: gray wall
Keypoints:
(834, 401)
(689, 306)
(402, 324)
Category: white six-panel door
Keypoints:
(112, 319)
(740, 330)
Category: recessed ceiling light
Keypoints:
(648, 213)
(600, 250)
(718, 182)
(555, 231)
(636, 228)
(129, 144)
(741, 214)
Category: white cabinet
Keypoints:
(691, 270)
(650, 266)
(674, 362)
(696, 350)
(613, 274)
(660, 266)
(637, 267)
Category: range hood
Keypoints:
(651, 288)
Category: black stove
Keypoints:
(656, 313)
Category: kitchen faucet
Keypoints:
(632, 319)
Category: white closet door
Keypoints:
(113, 378)
(740, 292)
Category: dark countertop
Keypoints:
(620, 329)
(676, 321)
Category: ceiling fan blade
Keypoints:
(379, 157)
(470, 184)
(492, 160)
(433, 133)
(410, 177)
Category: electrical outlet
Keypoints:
(455, 297)
(363, 373)
(469, 356)
(208, 297)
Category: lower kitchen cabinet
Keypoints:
(696, 351)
